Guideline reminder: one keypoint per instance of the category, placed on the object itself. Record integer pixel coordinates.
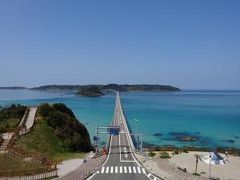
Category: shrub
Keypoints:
(185, 150)
(62, 108)
(151, 154)
(10, 117)
(164, 155)
(175, 152)
(44, 110)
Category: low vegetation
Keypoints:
(57, 133)
(152, 154)
(10, 117)
(9, 163)
(164, 155)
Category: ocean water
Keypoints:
(210, 118)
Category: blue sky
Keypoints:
(190, 44)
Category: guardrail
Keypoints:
(38, 173)
(125, 124)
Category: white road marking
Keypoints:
(149, 175)
(120, 169)
(107, 169)
(129, 169)
(125, 169)
(111, 170)
(134, 169)
(139, 170)
(103, 169)
(128, 138)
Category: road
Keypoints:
(120, 163)
(29, 121)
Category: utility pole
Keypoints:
(97, 140)
(136, 121)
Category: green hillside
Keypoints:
(57, 133)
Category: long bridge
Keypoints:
(121, 162)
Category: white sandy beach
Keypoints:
(168, 168)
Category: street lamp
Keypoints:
(136, 121)
(210, 159)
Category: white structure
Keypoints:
(212, 158)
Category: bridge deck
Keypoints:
(121, 163)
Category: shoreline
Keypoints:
(230, 150)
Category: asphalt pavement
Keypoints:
(120, 163)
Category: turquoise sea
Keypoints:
(212, 118)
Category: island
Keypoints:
(117, 87)
(91, 92)
(12, 88)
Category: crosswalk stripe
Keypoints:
(103, 169)
(120, 169)
(107, 169)
(139, 170)
(149, 175)
(134, 169)
(125, 169)
(129, 169)
(111, 171)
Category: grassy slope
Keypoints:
(44, 140)
(9, 163)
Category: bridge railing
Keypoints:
(125, 123)
(109, 137)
